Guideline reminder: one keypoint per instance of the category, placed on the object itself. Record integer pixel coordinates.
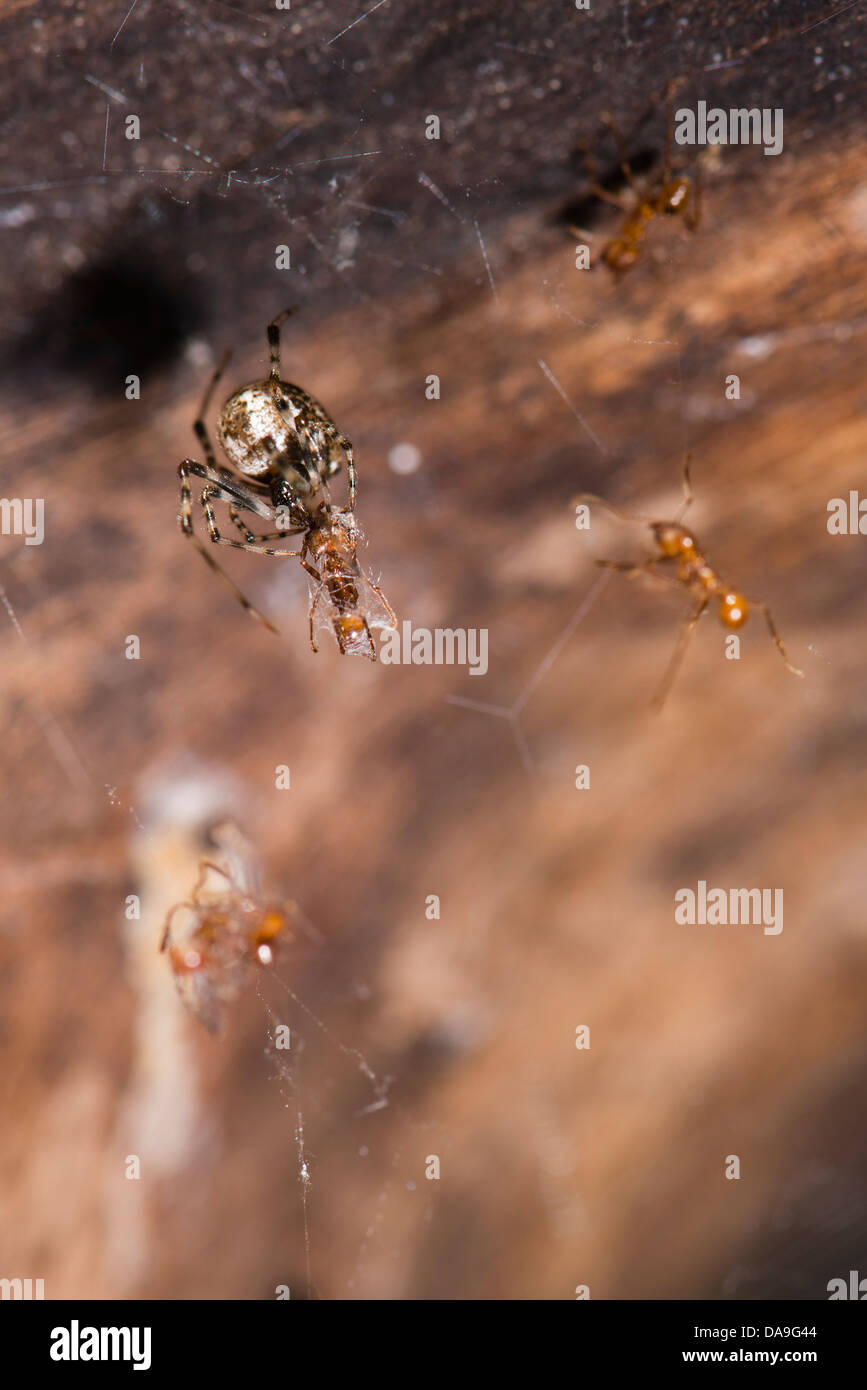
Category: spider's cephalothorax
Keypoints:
(285, 448)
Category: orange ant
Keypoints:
(226, 931)
(673, 194)
(679, 548)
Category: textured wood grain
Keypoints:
(559, 1167)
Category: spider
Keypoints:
(285, 447)
(673, 194)
(227, 929)
(679, 549)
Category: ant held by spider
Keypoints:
(285, 447)
(679, 551)
(671, 193)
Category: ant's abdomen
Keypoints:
(347, 620)
(624, 252)
(353, 636)
(342, 590)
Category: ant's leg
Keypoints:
(625, 166)
(204, 866)
(687, 629)
(693, 217)
(596, 187)
(686, 483)
(314, 602)
(777, 639)
(626, 567)
(274, 341)
(670, 88)
(167, 925)
(384, 601)
(199, 426)
(632, 571)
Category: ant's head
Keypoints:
(271, 924)
(673, 541)
(733, 610)
(186, 959)
(675, 194)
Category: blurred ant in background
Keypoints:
(226, 931)
(668, 193)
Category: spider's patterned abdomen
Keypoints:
(281, 431)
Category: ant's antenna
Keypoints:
(687, 489)
(610, 507)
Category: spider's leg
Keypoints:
(230, 584)
(185, 513)
(199, 426)
(350, 468)
(686, 631)
(326, 493)
(775, 636)
(217, 493)
(247, 495)
(185, 518)
(274, 342)
(251, 536)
